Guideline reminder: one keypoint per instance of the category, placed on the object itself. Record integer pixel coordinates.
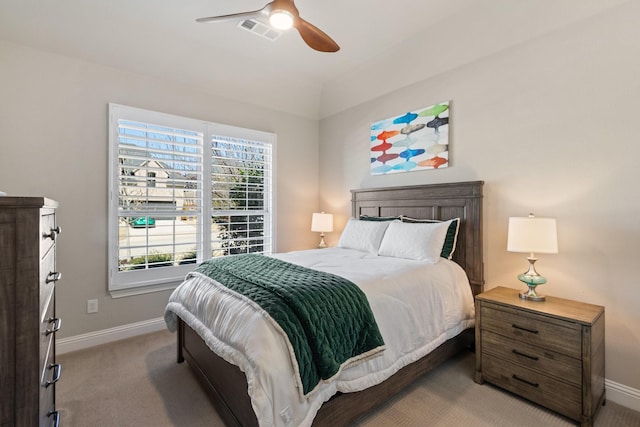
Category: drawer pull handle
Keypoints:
(53, 276)
(52, 234)
(55, 415)
(57, 323)
(515, 377)
(516, 352)
(57, 371)
(532, 331)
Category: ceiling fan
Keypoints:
(283, 14)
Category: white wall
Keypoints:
(53, 121)
(551, 126)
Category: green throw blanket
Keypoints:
(327, 318)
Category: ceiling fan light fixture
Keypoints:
(282, 14)
(281, 19)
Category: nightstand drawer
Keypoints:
(533, 329)
(549, 392)
(533, 357)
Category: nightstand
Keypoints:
(549, 352)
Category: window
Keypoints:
(182, 191)
(151, 182)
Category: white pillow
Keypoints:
(363, 236)
(419, 241)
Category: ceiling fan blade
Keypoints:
(235, 16)
(312, 35)
(315, 37)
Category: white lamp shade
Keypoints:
(322, 222)
(532, 235)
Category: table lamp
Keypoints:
(322, 223)
(532, 235)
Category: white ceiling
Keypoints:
(383, 47)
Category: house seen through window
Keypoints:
(182, 191)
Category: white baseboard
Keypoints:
(616, 392)
(92, 339)
(622, 395)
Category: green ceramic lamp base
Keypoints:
(532, 279)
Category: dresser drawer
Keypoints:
(533, 357)
(45, 339)
(48, 276)
(47, 390)
(546, 391)
(47, 232)
(46, 372)
(48, 328)
(533, 329)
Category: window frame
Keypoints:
(125, 283)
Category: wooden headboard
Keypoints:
(435, 201)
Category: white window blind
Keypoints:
(240, 191)
(165, 213)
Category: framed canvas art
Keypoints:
(417, 140)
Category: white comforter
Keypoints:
(417, 306)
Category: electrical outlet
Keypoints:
(92, 306)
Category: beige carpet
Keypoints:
(137, 383)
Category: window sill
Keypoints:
(146, 289)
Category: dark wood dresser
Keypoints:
(550, 352)
(28, 322)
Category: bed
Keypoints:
(227, 385)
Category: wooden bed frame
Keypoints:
(226, 384)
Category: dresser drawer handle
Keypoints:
(57, 323)
(516, 352)
(53, 276)
(515, 377)
(55, 415)
(57, 371)
(52, 234)
(533, 331)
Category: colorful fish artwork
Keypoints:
(437, 149)
(434, 110)
(407, 142)
(408, 154)
(407, 118)
(382, 147)
(387, 157)
(414, 141)
(434, 162)
(404, 166)
(381, 170)
(385, 146)
(437, 122)
(383, 136)
(409, 129)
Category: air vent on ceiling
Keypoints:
(260, 29)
